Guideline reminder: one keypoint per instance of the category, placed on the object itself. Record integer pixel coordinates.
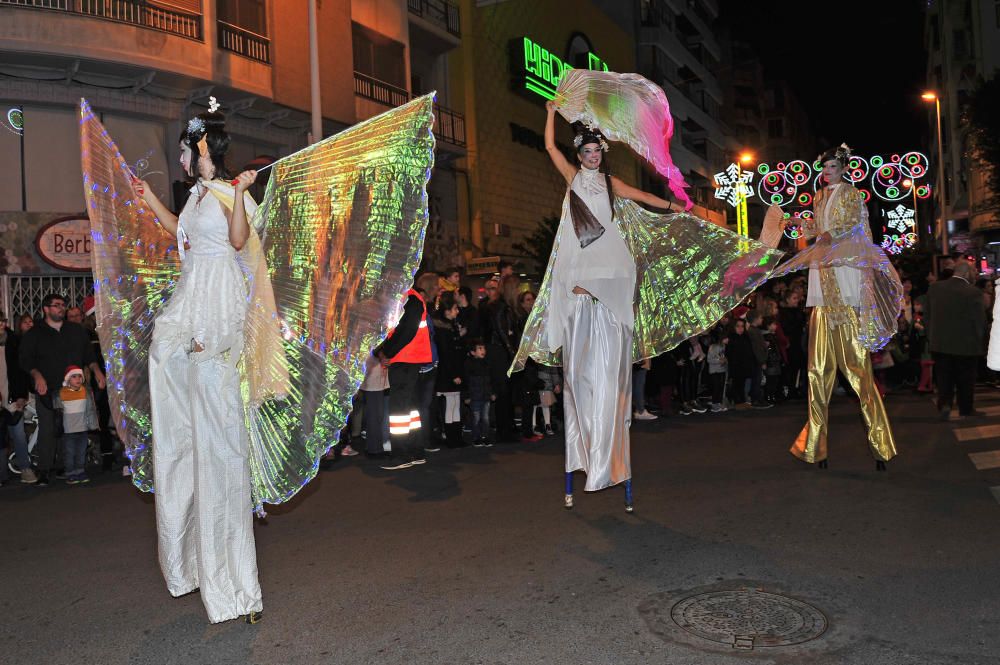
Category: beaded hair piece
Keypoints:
(592, 136)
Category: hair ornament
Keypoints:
(593, 134)
(195, 126)
(213, 105)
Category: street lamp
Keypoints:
(932, 97)
(913, 190)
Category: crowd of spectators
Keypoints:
(753, 359)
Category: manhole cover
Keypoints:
(748, 618)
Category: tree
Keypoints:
(538, 245)
(983, 115)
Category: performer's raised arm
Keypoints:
(167, 219)
(567, 170)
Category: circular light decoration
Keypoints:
(923, 191)
(15, 121)
(800, 172)
(763, 169)
(866, 195)
(914, 165)
(857, 169)
(877, 161)
(887, 182)
(805, 199)
(776, 187)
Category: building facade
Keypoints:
(962, 39)
(145, 66)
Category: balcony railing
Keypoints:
(243, 42)
(379, 91)
(449, 125)
(439, 12)
(131, 12)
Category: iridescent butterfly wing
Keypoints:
(342, 230)
(135, 265)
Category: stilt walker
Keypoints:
(622, 283)
(235, 341)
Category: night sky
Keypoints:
(858, 68)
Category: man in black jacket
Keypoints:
(46, 351)
(956, 323)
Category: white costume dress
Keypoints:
(202, 475)
(595, 334)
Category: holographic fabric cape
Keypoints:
(689, 274)
(845, 218)
(626, 108)
(336, 242)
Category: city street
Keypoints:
(472, 558)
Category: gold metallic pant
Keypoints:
(828, 351)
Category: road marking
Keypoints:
(991, 410)
(975, 433)
(986, 460)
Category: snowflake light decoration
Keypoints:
(734, 185)
(900, 219)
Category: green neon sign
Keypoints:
(543, 69)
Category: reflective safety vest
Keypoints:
(418, 351)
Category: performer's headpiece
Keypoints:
(206, 134)
(585, 135)
(841, 153)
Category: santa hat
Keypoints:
(70, 371)
(89, 305)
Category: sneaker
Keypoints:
(60, 475)
(396, 465)
(697, 407)
(643, 415)
(126, 471)
(487, 443)
(43, 479)
(762, 405)
(717, 408)
(684, 410)
(415, 462)
(77, 478)
(28, 477)
(347, 451)
(548, 431)
(479, 443)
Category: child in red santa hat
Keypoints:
(79, 417)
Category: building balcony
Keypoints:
(435, 25)
(131, 12)
(243, 42)
(439, 12)
(376, 96)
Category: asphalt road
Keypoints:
(471, 558)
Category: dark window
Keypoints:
(960, 43)
(247, 14)
(779, 98)
(775, 128)
(378, 56)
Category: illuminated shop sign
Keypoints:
(539, 71)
